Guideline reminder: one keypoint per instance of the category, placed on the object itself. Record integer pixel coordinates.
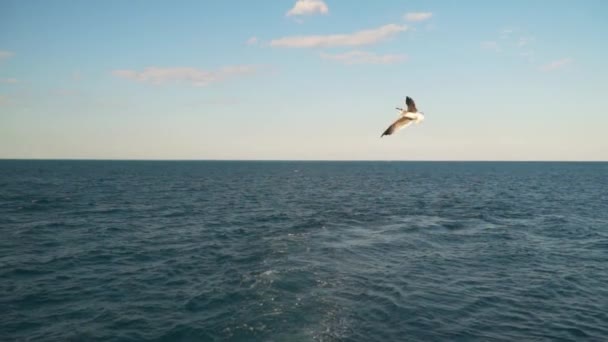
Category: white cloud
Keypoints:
(517, 43)
(506, 33)
(192, 76)
(490, 45)
(308, 7)
(9, 80)
(523, 41)
(252, 41)
(418, 16)
(558, 64)
(528, 55)
(359, 38)
(5, 54)
(363, 57)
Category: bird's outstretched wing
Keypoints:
(397, 125)
(411, 106)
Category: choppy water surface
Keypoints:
(303, 251)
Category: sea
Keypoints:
(303, 251)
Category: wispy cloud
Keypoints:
(363, 57)
(517, 43)
(555, 65)
(523, 41)
(9, 80)
(508, 41)
(5, 54)
(359, 38)
(192, 76)
(513, 42)
(417, 16)
(506, 33)
(490, 45)
(252, 41)
(308, 7)
(528, 55)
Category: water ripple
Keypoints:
(303, 251)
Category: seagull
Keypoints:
(411, 114)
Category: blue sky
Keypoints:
(307, 79)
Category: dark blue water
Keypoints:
(303, 251)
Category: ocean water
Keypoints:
(303, 251)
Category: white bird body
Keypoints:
(417, 117)
(406, 117)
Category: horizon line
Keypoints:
(315, 160)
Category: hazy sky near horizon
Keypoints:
(306, 79)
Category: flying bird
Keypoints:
(409, 115)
